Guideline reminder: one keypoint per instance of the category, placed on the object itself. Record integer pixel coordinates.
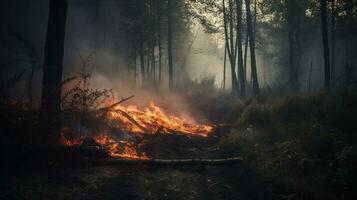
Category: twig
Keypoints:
(113, 105)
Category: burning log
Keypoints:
(169, 163)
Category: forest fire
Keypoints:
(134, 121)
(153, 120)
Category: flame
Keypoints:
(115, 148)
(132, 120)
(153, 120)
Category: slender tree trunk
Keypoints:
(153, 65)
(310, 74)
(159, 37)
(169, 43)
(231, 48)
(255, 18)
(323, 5)
(148, 61)
(142, 61)
(291, 25)
(245, 55)
(52, 72)
(333, 42)
(224, 67)
(239, 46)
(252, 50)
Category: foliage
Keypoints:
(292, 138)
(80, 102)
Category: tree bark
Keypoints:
(52, 72)
(169, 43)
(325, 42)
(252, 50)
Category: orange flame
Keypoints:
(154, 120)
(134, 121)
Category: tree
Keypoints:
(252, 49)
(52, 71)
(239, 46)
(230, 44)
(323, 6)
(333, 41)
(159, 37)
(169, 43)
(291, 26)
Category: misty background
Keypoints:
(101, 28)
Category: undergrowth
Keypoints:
(306, 142)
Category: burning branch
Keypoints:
(132, 120)
(107, 109)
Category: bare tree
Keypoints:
(159, 37)
(252, 49)
(230, 44)
(52, 71)
(291, 25)
(169, 43)
(239, 46)
(333, 41)
(323, 5)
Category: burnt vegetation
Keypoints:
(178, 99)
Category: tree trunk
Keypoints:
(310, 74)
(233, 56)
(142, 61)
(245, 56)
(148, 61)
(224, 67)
(231, 48)
(169, 43)
(333, 42)
(252, 50)
(239, 46)
(153, 65)
(291, 25)
(159, 37)
(52, 72)
(325, 44)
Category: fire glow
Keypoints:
(132, 120)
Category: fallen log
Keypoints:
(166, 163)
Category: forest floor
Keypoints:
(29, 180)
(301, 147)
